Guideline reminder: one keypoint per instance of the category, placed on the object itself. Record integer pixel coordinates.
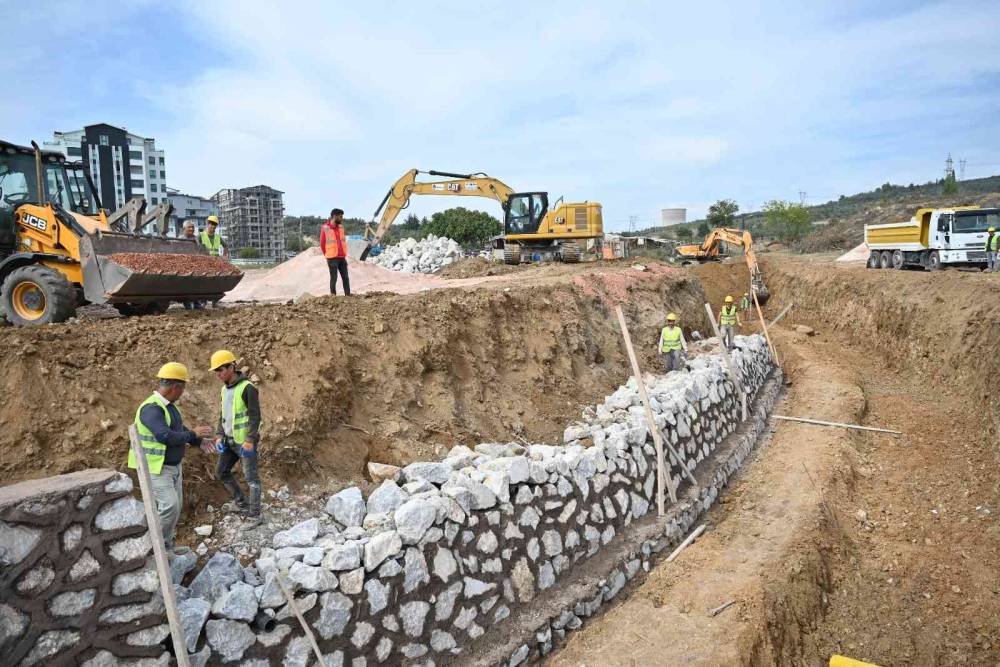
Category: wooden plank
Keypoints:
(784, 311)
(302, 619)
(820, 422)
(763, 324)
(721, 608)
(159, 550)
(695, 534)
(729, 362)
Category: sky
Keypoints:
(637, 105)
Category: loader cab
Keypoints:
(524, 212)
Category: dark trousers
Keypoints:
(224, 473)
(338, 264)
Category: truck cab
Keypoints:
(960, 235)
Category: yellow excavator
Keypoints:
(532, 232)
(59, 248)
(711, 250)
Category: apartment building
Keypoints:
(252, 218)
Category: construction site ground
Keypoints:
(830, 541)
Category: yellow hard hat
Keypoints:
(221, 358)
(992, 229)
(729, 299)
(671, 318)
(212, 220)
(173, 371)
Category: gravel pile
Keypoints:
(171, 264)
(424, 256)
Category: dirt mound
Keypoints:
(474, 267)
(175, 264)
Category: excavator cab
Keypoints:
(524, 212)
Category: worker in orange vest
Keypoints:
(333, 243)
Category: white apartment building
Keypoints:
(121, 164)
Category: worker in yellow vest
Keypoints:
(729, 319)
(746, 305)
(672, 344)
(991, 249)
(164, 439)
(211, 239)
(238, 432)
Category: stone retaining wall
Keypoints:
(439, 553)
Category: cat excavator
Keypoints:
(60, 249)
(531, 231)
(711, 250)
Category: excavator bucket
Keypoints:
(126, 268)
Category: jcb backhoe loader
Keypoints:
(711, 248)
(531, 230)
(58, 249)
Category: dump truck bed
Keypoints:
(910, 235)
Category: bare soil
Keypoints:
(477, 266)
(175, 264)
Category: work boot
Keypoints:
(251, 507)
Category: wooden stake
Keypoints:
(729, 362)
(721, 608)
(658, 440)
(159, 550)
(820, 422)
(298, 614)
(781, 314)
(695, 534)
(763, 324)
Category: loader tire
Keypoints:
(36, 294)
(511, 254)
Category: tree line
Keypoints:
(471, 229)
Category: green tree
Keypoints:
(684, 233)
(412, 223)
(786, 221)
(249, 253)
(723, 213)
(472, 229)
(704, 228)
(950, 184)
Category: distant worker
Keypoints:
(189, 235)
(672, 344)
(729, 319)
(333, 243)
(745, 305)
(991, 249)
(211, 239)
(163, 438)
(238, 432)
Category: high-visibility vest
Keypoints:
(154, 450)
(728, 315)
(745, 303)
(336, 242)
(671, 337)
(993, 241)
(213, 243)
(239, 418)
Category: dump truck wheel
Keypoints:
(885, 260)
(37, 295)
(934, 262)
(897, 259)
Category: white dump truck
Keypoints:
(933, 238)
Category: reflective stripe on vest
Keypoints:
(336, 246)
(671, 339)
(239, 418)
(155, 450)
(745, 303)
(213, 243)
(728, 315)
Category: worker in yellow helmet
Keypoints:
(729, 319)
(212, 240)
(238, 432)
(746, 305)
(991, 249)
(164, 439)
(672, 344)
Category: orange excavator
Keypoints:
(711, 249)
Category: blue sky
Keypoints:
(638, 105)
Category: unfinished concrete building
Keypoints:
(252, 218)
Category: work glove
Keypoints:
(220, 447)
(248, 453)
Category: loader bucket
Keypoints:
(122, 268)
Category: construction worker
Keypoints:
(333, 243)
(729, 318)
(672, 344)
(746, 304)
(991, 249)
(238, 432)
(164, 438)
(189, 235)
(211, 240)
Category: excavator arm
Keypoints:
(398, 197)
(712, 245)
